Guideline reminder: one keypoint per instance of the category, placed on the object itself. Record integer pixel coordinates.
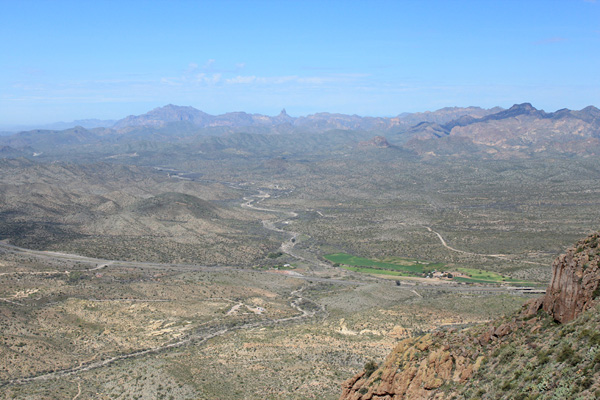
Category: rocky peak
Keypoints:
(591, 110)
(283, 117)
(575, 281)
(517, 110)
(590, 114)
(523, 107)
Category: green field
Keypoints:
(397, 266)
(390, 266)
(367, 270)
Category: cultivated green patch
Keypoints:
(389, 266)
(398, 266)
(367, 270)
(482, 276)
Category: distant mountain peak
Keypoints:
(515, 111)
(524, 107)
(160, 116)
(591, 109)
(283, 118)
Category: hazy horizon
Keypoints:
(49, 124)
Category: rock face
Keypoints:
(420, 368)
(575, 281)
(414, 370)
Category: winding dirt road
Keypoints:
(503, 257)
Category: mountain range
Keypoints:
(521, 130)
(162, 116)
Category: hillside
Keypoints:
(547, 350)
(125, 213)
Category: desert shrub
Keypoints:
(370, 367)
(566, 353)
(507, 353)
(597, 359)
(506, 386)
(543, 358)
(587, 382)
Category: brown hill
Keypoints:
(379, 142)
(125, 212)
(529, 355)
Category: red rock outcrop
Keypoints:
(414, 370)
(575, 281)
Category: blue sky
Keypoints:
(66, 60)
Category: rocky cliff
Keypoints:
(487, 361)
(575, 281)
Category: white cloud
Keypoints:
(270, 80)
(211, 79)
(309, 80)
(240, 80)
(205, 75)
(209, 64)
(170, 81)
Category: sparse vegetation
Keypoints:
(370, 367)
(503, 222)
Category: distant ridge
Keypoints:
(520, 131)
(162, 116)
(85, 123)
(173, 114)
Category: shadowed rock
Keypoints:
(575, 281)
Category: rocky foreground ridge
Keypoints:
(550, 348)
